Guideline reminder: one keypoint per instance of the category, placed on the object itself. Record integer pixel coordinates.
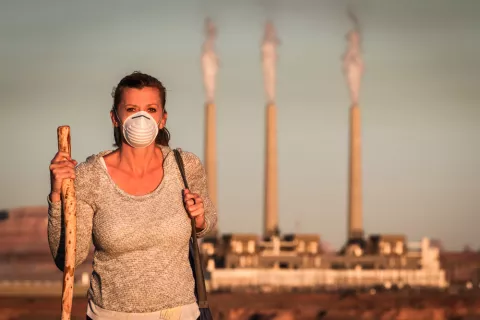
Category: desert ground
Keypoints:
(406, 305)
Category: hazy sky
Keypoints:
(419, 99)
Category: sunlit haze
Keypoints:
(419, 100)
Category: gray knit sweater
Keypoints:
(141, 242)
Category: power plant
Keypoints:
(272, 260)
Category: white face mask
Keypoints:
(140, 129)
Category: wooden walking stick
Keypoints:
(69, 203)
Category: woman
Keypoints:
(131, 204)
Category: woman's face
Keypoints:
(135, 100)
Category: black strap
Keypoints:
(199, 278)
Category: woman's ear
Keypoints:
(113, 116)
(163, 122)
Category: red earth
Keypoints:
(244, 306)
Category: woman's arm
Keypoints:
(197, 181)
(56, 226)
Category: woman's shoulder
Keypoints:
(90, 166)
(190, 158)
(187, 156)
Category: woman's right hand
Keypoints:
(62, 167)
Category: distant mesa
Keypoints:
(23, 235)
(24, 230)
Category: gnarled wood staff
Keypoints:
(69, 204)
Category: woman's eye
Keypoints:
(152, 110)
(130, 109)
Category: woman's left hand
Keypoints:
(194, 205)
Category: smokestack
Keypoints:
(355, 227)
(353, 68)
(269, 59)
(271, 175)
(210, 63)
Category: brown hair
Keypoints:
(138, 80)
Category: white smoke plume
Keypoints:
(269, 59)
(353, 66)
(210, 61)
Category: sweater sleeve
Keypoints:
(56, 225)
(197, 181)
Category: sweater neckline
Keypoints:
(165, 152)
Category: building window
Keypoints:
(251, 246)
(399, 247)
(313, 247)
(208, 249)
(237, 246)
(301, 246)
(386, 248)
(357, 251)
